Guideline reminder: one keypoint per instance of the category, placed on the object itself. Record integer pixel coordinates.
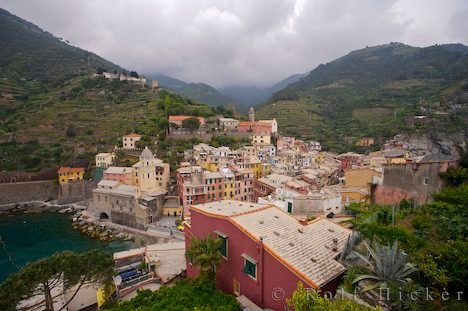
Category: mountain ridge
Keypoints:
(249, 96)
(375, 92)
(200, 92)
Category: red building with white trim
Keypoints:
(266, 252)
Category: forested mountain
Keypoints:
(31, 59)
(376, 92)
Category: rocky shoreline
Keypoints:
(77, 217)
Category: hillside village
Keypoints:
(293, 189)
(288, 185)
(346, 189)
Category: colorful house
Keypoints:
(266, 252)
(70, 174)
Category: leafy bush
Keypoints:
(183, 295)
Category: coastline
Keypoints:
(82, 221)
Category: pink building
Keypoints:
(198, 186)
(350, 159)
(266, 252)
(120, 174)
(244, 184)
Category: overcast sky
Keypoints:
(241, 42)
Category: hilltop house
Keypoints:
(264, 249)
(129, 141)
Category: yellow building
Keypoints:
(261, 139)
(70, 174)
(172, 206)
(360, 177)
(396, 156)
(229, 186)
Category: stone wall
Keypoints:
(44, 190)
(28, 191)
(417, 181)
(207, 137)
(125, 219)
(75, 191)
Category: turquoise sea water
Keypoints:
(28, 237)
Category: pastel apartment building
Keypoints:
(70, 174)
(123, 175)
(197, 185)
(264, 249)
(129, 141)
(350, 159)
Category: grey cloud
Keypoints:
(234, 42)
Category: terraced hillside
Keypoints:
(52, 109)
(376, 92)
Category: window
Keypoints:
(224, 244)
(250, 266)
(426, 181)
(290, 207)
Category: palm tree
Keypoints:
(388, 265)
(206, 255)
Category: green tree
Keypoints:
(66, 269)
(167, 105)
(206, 255)
(191, 124)
(387, 265)
(309, 299)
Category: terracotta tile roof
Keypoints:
(310, 251)
(66, 169)
(307, 249)
(132, 135)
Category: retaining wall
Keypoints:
(45, 190)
